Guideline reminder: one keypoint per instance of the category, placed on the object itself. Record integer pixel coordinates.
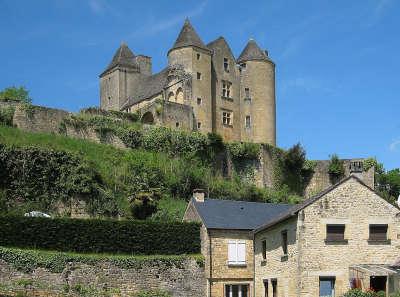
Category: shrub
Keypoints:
(336, 168)
(6, 116)
(15, 94)
(105, 236)
(360, 293)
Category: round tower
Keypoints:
(258, 109)
(195, 57)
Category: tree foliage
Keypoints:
(336, 168)
(20, 94)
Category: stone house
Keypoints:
(204, 88)
(345, 237)
(227, 241)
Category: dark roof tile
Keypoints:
(236, 215)
(252, 52)
(123, 57)
(188, 37)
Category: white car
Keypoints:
(37, 214)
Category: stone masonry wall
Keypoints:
(311, 257)
(186, 280)
(34, 118)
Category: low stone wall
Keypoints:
(34, 118)
(106, 279)
(5, 104)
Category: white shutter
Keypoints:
(241, 252)
(232, 252)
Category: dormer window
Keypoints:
(226, 65)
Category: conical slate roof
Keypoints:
(123, 57)
(188, 37)
(252, 52)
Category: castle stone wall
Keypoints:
(34, 118)
(186, 280)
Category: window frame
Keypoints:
(227, 292)
(227, 118)
(247, 124)
(332, 279)
(226, 89)
(237, 261)
(198, 75)
(226, 64)
(285, 244)
(199, 101)
(198, 56)
(333, 237)
(247, 96)
(264, 249)
(376, 238)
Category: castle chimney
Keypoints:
(198, 195)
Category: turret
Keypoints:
(120, 79)
(258, 109)
(190, 52)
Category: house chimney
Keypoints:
(198, 195)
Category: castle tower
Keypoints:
(190, 52)
(257, 79)
(121, 78)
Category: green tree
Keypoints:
(20, 94)
(336, 168)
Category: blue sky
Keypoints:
(338, 62)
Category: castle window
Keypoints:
(227, 118)
(177, 124)
(247, 122)
(264, 249)
(247, 94)
(109, 99)
(226, 65)
(226, 89)
(198, 56)
(171, 96)
(198, 75)
(179, 96)
(284, 242)
(198, 125)
(199, 101)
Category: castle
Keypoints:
(204, 88)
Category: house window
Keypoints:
(378, 232)
(198, 56)
(264, 249)
(236, 252)
(198, 101)
(247, 122)
(247, 94)
(227, 118)
(198, 125)
(284, 242)
(236, 290)
(198, 75)
(335, 232)
(266, 288)
(226, 65)
(327, 286)
(274, 283)
(226, 89)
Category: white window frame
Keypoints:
(226, 89)
(237, 252)
(227, 118)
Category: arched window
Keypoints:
(179, 96)
(148, 118)
(171, 96)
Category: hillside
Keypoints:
(118, 181)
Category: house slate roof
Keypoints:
(149, 87)
(188, 37)
(123, 57)
(236, 215)
(218, 43)
(298, 207)
(252, 52)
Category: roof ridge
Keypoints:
(245, 201)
